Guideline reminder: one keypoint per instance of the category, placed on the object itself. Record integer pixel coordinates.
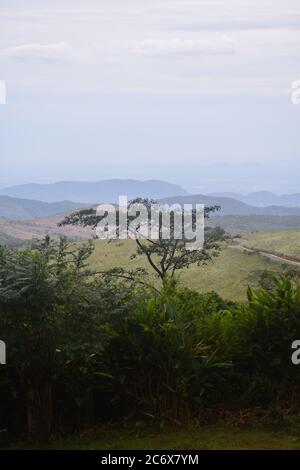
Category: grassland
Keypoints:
(229, 274)
(280, 243)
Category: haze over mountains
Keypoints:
(95, 191)
(230, 206)
(263, 198)
(24, 209)
(30, 201)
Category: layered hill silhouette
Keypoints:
(263, 198)
(23, 209)
(230, 206)
(25, 219)
(30, 201)
(94, 192)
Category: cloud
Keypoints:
(183, 46)
(240, 24)
(60, 51)
(223, 46)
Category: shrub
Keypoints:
(158, 363)
(257, 338)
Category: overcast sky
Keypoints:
(193, 92)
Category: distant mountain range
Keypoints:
(254, 223)
(230, 206)
(37, 200)
(263, 198)
(24, 219)
(22, 209)
(94, 192)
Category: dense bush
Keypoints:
(82, 349)
(53, 321)
(158, 361)
(259, 336)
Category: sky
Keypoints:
(193, 92)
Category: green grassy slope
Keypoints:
(228, 275)
(282, 243)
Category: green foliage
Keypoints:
(47, 321)
(83, 348)
(271, 322)
(257, 338)
(158, 362)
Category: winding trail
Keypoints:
(277, 258)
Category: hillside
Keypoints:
(13, 232)
(230, 206)
(263, 198)
(35, 205)
(22, 209)
(94, 192)
(12, 242)
(229, 274)
(281, 243)
(255, 223)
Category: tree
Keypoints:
(165, 257)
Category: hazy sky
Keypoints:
(194, 92)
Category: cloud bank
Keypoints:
(46, 52)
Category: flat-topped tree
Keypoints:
(164, 256)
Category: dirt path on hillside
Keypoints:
(277, 258)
